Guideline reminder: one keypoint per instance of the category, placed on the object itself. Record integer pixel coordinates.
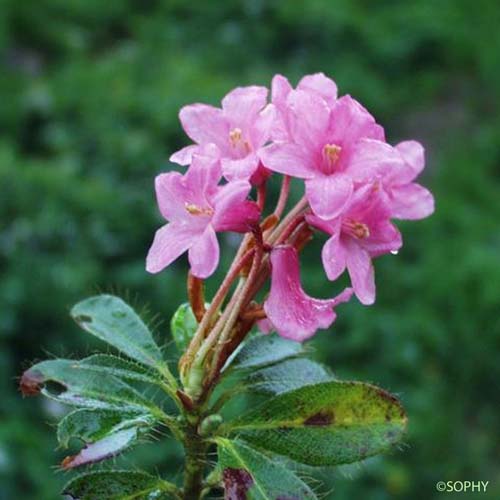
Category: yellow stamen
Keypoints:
(331, 153)
(196, 210)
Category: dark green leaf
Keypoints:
(288, 375)
(250, 475)
(264, 350)
(121, 368)
(71, 383)
(328, 423)
(119, 485)
(183, 326)
(112, 320)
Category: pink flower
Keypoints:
(291, 311)
(363, 231)
(325, 140)
(239, 130)
(196, 207)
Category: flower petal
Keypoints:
(350, 122)
(205, 124)
(294, 314)
(171, 194)
(280, 88)
(289, 159)
(242, 105)
(170, 241)
(204, 254)
(361, 272)
(184, 155)
(334, 256)
(308, 117)
(371, 160)
(321, 85)
(233, 212)
(239, 169)
(413, 154)
(260, 129)
(329, 195)
(411, 201)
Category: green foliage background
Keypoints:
(88, 116)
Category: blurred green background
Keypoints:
(88, 116)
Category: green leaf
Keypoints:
(71, 383)
(328, 423)
(287, 376)
(263, 350)
(112, 320)
(119, 485)
(90, 425)
(248, 474)
(183, 326)
(121, 368)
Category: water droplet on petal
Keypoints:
(394, 252)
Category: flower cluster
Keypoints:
(355, 184)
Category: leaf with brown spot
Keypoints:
(328, 423)
(248, 474)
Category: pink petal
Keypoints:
(294, 314)
(265, 326)
(205, 124)
(329, 195)
(350, 122)
(321, 85)
(170, 242)
(184, 155)
(242, 168)
(280, 88)
(242, 105)
(233, 212)
(260, 129)
(334, 256)
(289, 159)
(360, 269)
(384, 238)
(171, 194)
(413, 154)
(308, 116)
(204, 254)
(204, 173)
(371, 159)
(411, 201)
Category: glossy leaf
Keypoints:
(328, 423)
(183, 326)
(71, 383)
(287, 376)
(248, 474)
(119, 485)
(112, 320)
(113, 365)
(263, 350)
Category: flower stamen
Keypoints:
(356, 229)
(196, 210)
(331, 154)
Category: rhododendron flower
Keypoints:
(325, 141)
(363, 231)
(238, 130)
(291, 311)
(196, 207)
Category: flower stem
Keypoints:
(283, 197)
